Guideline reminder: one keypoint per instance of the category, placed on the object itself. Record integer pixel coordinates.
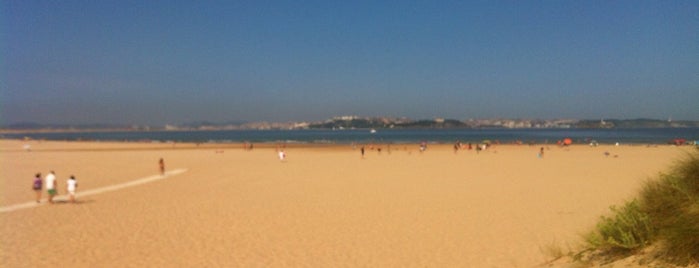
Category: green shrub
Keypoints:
(628, 228)
(667, 212)
(673, 205)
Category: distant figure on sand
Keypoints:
(37, 185)
(51, 185)
(362, 150)
(71, 185)
(541, 152)
(282, 155)
(247, 146)
(161, 163)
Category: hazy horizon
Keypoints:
(22, 124)
(160, 62)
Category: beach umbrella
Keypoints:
(567, 141)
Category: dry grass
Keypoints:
(666, 215)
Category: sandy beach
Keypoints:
(324, 206)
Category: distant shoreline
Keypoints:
(365, 136)
(97, 130)
(360, 123)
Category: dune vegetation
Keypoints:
(662, 223)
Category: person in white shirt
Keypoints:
(71, 185)
(51, 185)
(282, 155)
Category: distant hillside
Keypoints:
(447, 123)
(634, 123)
(353, 122)
(365, 123)
(361, 123)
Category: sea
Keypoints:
(503, 136)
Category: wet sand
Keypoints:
(324, 206)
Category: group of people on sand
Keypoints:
(51, 184)
(479, 147)
(372, 147)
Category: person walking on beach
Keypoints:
(71, 185)
(37, 185)
(161, 163)
(362, 150)
(51, 185)
(282, 155)
(541, 152)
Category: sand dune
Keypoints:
(322, 207)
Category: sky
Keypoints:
(169, 62)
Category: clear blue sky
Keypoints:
(158, 62)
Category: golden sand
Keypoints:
(321, 207)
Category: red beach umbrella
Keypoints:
(567, 141)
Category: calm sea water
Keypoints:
(603, 136)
